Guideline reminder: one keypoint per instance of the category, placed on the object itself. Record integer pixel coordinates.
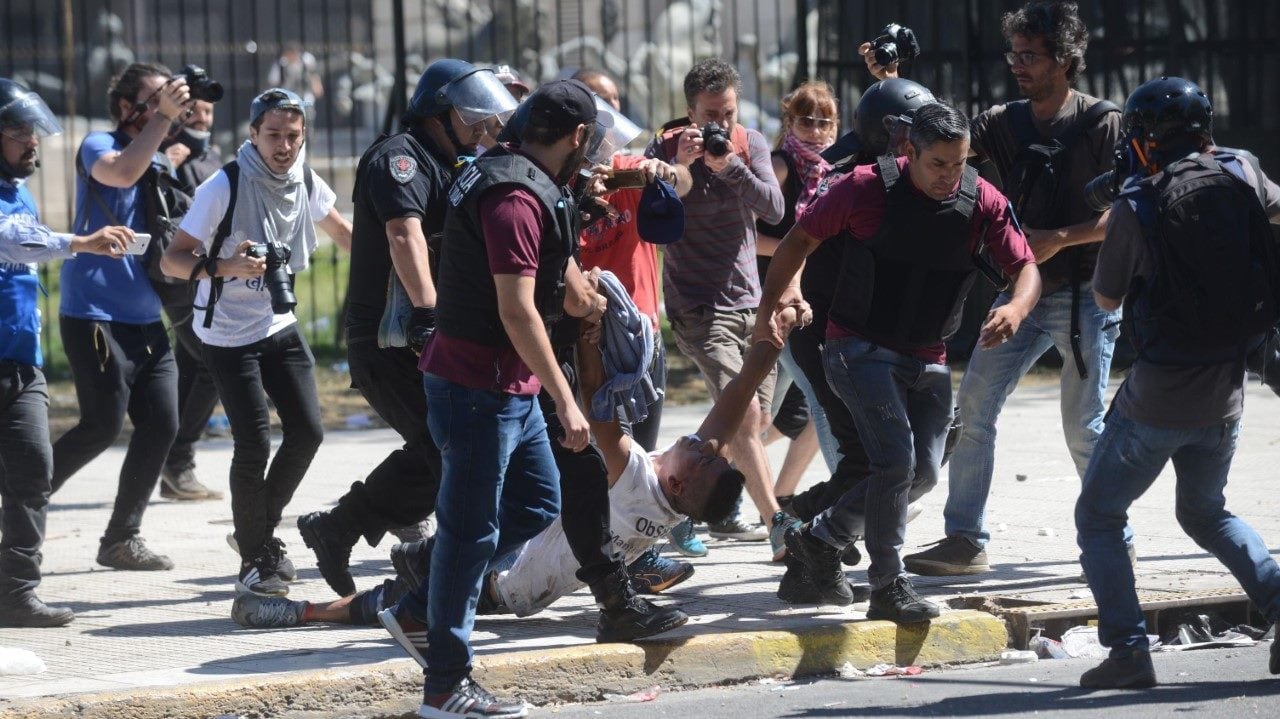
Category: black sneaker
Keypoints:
(412, 561)
(1132, 672)
(898, 602)
(948, 557)
(822, 562)
(259, 576)
(275, 545)
(332, 548)
(653, 573)
(183, 486)
(29, 611)
(625, 616)
(468, 700)
(132, 554)
(255, 612)
(408, 632)
(797, 586)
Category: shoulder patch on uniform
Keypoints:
(403, 168)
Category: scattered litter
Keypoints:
(1002, 527)
(359, 420)
(1207, 631)
(785, 688)
(849, 671)
(1083, 642)
(1045, 531)
(1014, 656)
(889, 670)
(1020, 477)
(1081, 594)
(767, 680)
(644, 695)
(1047, 648)
(20, 662)
(1033, 680)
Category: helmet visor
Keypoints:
(613, 133)
(479, 96)
(27, 110)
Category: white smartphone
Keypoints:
(139, 246)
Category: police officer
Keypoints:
(400, 190)
(26, 456)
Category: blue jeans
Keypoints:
(498, 490)
(993, 374)
(790, 374)
(902, 408)
(1127, 460)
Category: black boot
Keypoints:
(332, 543)
(822, 563)
(29, 611)
(625, 616)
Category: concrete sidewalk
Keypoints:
(148, 644)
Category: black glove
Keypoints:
(422, 324)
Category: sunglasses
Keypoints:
(811, 122)
(1024, 58)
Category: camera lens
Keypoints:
(886, 53)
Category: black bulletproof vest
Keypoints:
(906, 286)
(467, 306)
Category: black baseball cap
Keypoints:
(562, 104)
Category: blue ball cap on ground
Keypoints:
(660, 217)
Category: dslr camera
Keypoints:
(895, 44)
(277, 278)
(715, 139)
(200, 84)
(1102, 191)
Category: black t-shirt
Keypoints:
(398, 177)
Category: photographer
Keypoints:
(400, 203)
(109, 316)
(26, 458)
(709, 277)
(194, 160)
(255, 222)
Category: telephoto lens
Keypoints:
(277, 278)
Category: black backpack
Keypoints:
(1034, 186)
(1214, 289)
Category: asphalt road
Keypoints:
(1215, 683)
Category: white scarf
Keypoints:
(274, 207)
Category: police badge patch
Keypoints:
(403, 168)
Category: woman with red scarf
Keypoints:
(809, 126)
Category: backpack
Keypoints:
(232, 171)
(1034, 185)
(1214, 289)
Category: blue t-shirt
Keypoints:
(102, 288)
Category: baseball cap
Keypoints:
(277, 98)
(564, 104)
(660, 217)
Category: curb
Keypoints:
(581, 673)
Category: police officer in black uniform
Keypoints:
(400, 203)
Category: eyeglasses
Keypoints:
(819, 122)
(1024, 58)
(19, 133)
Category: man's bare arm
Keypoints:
(614, 444)
(409, 257)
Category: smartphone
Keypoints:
(141, 241)
(625, 179)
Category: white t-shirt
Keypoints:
(546, 569)
(243, 314)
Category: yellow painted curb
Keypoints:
(801, 646)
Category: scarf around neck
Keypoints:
(273, 207)
(809, 164)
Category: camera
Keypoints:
(895, 44)
(1102, 190)
(199, 83)
(715, 139)
(277, 278)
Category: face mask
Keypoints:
(196, 140)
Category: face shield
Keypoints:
(478, 96)
(613, 133)
(26, 115)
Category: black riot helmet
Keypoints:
(880, 106)
(1170, 112)
(23, 114)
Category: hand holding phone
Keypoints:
(141, 241)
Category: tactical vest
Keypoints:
(467, 306)
(19, 285)
(906, 286)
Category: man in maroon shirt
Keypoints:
(504, 265)
(912, 227)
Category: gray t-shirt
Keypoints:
(1091, 155)
(1159, 395)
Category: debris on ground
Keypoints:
(889, 670)
(644, 695)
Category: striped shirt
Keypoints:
(714, 263)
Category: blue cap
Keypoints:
(660, 217)
(277, 98)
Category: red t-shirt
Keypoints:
(511, 218)
(614, 244)
(856, 202)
